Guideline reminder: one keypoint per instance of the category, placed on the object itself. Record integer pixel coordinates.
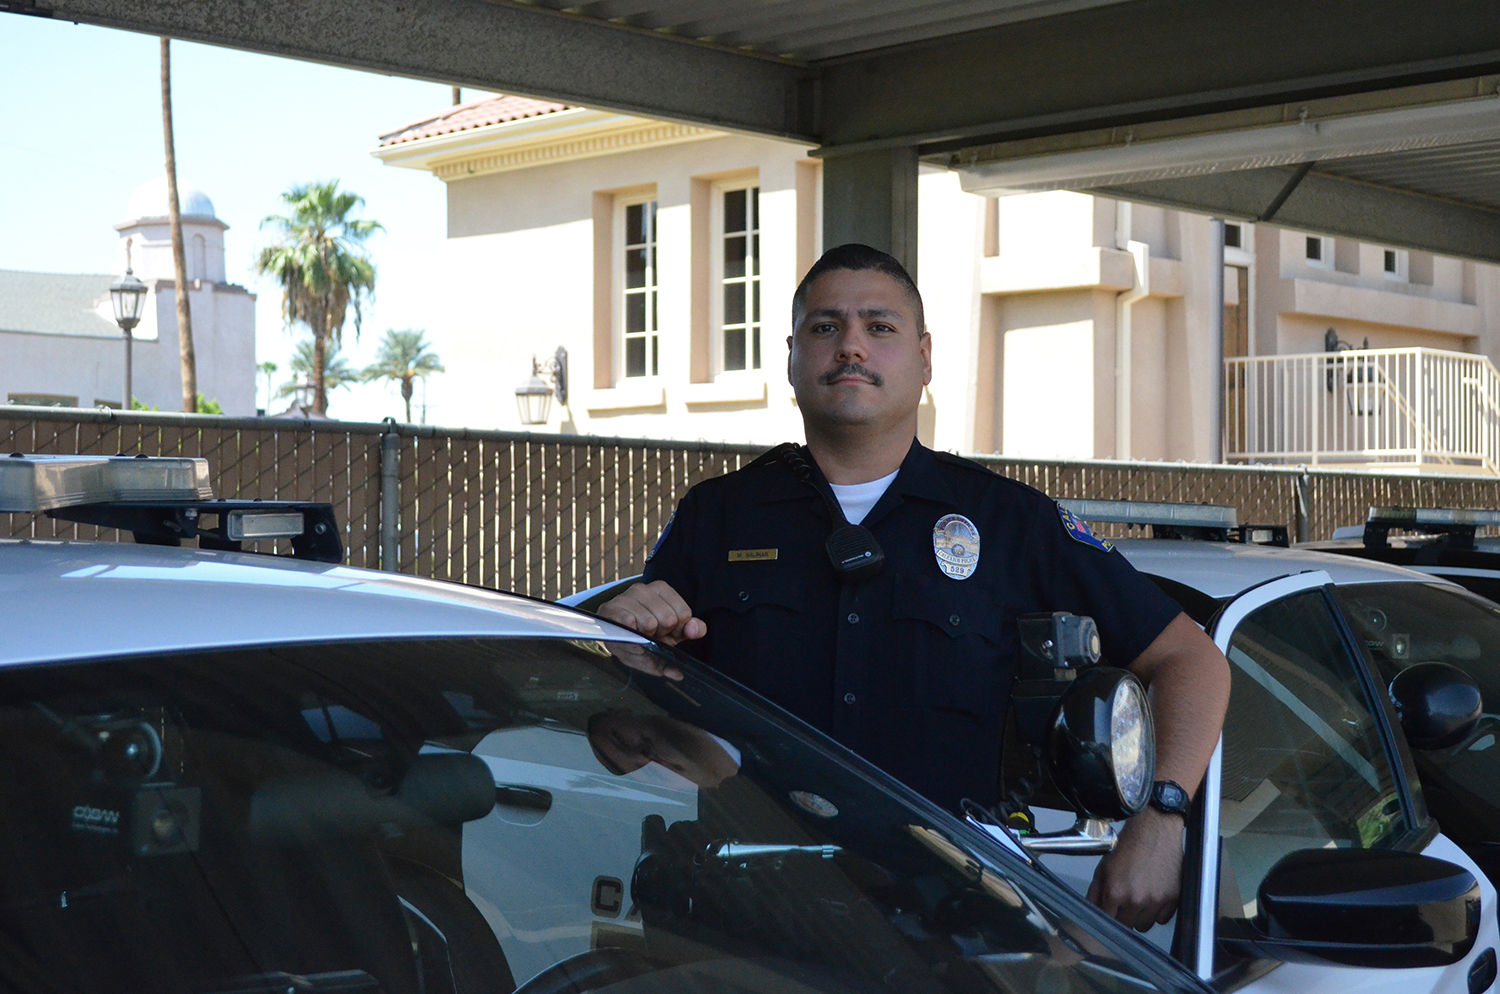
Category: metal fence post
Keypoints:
(390, 496)
(1301, 513)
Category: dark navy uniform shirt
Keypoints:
(911, 668)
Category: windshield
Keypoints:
(484, 814)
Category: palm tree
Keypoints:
(268, 369)
(190, 395)
(321, 269)
(336, 371)
(404, 355)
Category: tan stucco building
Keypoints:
(663, 257)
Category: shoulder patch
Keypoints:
(1079, 532)
(662, 537)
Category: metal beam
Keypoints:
(486, 45)
(1146, 60)
(1333, 206)
(871, 197)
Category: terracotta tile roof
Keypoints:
(478, 114)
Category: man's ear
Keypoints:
(789, 358)
(926, 347)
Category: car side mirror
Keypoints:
(1439, 704)
(1361, 907)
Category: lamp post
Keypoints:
(534, 395)
(128, 295)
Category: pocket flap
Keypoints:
(952, 606)
(741, 590)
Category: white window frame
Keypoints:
(622, 293)
(1402, 272)
(754, 323)
(1241, 254)
(1325, 250)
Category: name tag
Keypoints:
(751, 555)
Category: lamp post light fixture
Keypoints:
(128, 295)
(534, 395)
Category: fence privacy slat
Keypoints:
(549, 515)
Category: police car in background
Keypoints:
(1348, 692)
(1342, 672)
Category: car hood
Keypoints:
(72, 600)
(1222, 569)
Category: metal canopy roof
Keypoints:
(990, 87)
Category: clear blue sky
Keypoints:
(80, 128)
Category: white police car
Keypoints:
(229, 771)
(1313, 862)
(1342, 671)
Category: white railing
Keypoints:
(1389, 409)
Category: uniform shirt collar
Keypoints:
(920, 476)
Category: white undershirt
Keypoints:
(857, 498)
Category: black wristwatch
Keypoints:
(1168, 796)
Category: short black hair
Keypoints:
(857, 258)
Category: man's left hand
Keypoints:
(1139, 883)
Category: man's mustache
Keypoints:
(852, 369)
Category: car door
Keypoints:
(1308, 760)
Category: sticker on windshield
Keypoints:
(814, 804)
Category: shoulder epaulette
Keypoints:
(772, 455)
(959, 462)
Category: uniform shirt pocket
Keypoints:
(960, 640)
(741, 592)
(753, 614)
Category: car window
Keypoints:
(1304, 765)
(487, 815)
(1485, 583)
(1402, 624)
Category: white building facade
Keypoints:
(60, 345)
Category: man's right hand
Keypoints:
(655, 610)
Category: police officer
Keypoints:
(897, 635)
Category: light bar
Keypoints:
(246, 525)
(1138, 512)
(41, 483)
(1434, 516)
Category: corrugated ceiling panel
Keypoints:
(1468, 173)
(809, 30)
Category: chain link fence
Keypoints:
(548, 515)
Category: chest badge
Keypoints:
(955, 543)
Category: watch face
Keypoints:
(1170, 797)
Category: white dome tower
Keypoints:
(148, 228)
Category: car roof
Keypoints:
(74, 600)
(1224, 569)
